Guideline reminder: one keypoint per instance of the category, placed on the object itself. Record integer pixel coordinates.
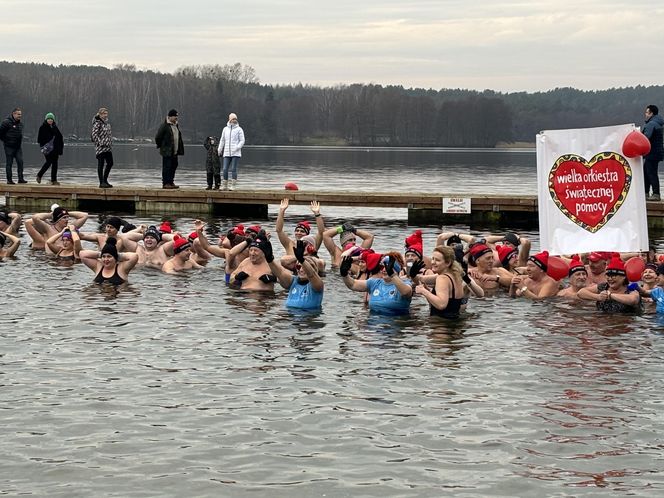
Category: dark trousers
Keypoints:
(213, 169)
(11, 154)
(104, 157)
(651, 176)
(168, 166)
(51, 162)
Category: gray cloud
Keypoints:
(501, 45)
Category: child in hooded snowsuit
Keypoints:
(212, 163)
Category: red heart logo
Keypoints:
(590, 192)
(636, 144)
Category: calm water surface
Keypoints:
(178, 386)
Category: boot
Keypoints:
(217, 181)
(232, 186)
(224, 186)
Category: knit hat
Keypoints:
(598, 256)
(66, 234)
(616, 266)
(253, 228)
(232, 116)
(239, 230)
(454, 239)
(414, 243)
(541, 259)
(49, 115)
(505, 252)
(357, 250)
(172, 113)
(153, 232)
(372, 260)
(165, 227)
(5, 217)
(576, 265)
(478, 250)
(304, 225)
(180, 244)
(346, 237)
(192, 236)
(110, 248)
(114, 221)
(310, 242)
(59, 213)
(651, 266)
(512, 238)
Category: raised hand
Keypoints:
(348, 227)
(344, 267)
(298, 251)
(315, 207)
(389, 268)
(284, 204)
(415, 269)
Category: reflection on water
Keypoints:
(179, 386)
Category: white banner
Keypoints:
(590, 196)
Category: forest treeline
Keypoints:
(357, 114)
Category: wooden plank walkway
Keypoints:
(421, 206)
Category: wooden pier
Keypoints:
(423, 208)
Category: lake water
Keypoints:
(178, 386)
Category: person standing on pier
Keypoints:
(103, 139)
(653, 130)
(52, 144)
(230, 148)
(212, 164)
(170, 145)
(11, 133)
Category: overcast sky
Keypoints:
(524, 45)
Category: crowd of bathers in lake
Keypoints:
(460, 267)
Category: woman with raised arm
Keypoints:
(109, 266)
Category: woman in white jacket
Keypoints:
(230, 148)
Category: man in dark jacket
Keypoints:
(11, 133)
(653, 129)
(170, 145)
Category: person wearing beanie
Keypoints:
(254, 273)
(347, 233)
(43, 226)
(70, 244)
(9, 244)
(110, 266)
(102, 137)
(388, 293)
(52, 145)
(510, 240)
(235, 237)
(615, 295)
(302, 229)
(230, 149)
(657, 292)
(578, 279)
(155, 249)
(11, 133)
(169, 142)
(649, 277)
(536, 284)
(181, 260)
(212, 164)
(596, 267)
(482, 269)
(111, 227)
(10, 222)
(304, 284)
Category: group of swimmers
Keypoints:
(460, 266)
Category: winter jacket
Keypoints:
(166, 143)
(48, 132)
(231, 141)
(11, 132)
(212, 158)
(101, 135)
(654, 130)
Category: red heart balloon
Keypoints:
(557, 268)
(291, 186)
(636, 144)
(634, 268)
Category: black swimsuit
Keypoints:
(114, 279)
(453, 307)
